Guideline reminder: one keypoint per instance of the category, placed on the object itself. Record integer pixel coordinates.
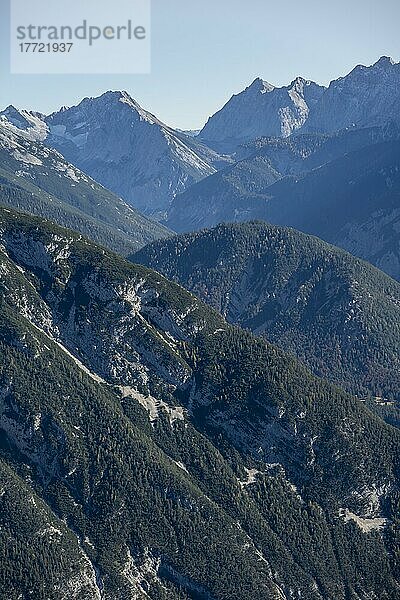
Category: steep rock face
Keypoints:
(39, 180)
(262, 110)
(127, 149)
(367, 96)
(336, 313)
(185, 456)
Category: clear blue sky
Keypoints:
(203, 51)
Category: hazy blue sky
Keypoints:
(204, 51)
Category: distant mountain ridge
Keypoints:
(123, 147)
(134, 154)
(262, 110)
(39, 180)
(366, 97)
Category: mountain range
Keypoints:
(338, 314)
(123, 147)
(336, 176)
(366, 97)
(151, 450)
(213, 414)
(134, 154)
(39, 180)
(351, 201)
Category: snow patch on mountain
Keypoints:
(32, 123)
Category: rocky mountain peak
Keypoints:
(368, 96)
(262, 110)
(260, 86)
(385, 61)
(108, 137)
(17, 117)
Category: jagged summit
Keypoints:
(106, 97)
(13, 114)
(30, 123)
(260, 85)
(110, 100)
(128, 149)
(10, 109)
(368, 96)
(299, 79)
(13, 111)
(302, 81)
(384, 61)
(112, 95)
(262, 110)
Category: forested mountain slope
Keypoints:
(337, 313)
(151, 450)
